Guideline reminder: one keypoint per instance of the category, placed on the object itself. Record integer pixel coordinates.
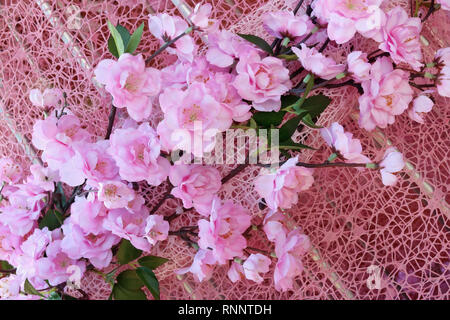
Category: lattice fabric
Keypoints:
(352, 219)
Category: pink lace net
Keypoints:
(353, 220)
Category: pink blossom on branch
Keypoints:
(202, 266)
(401, 38)
(422, 104)
(262, 81)
(343, 143)
(445, 4)
(314, 61)
(280, 188)
(195, 185)
(346, 17)
(392, 162)
(10, 172)
(166, 27)
(156, 229)
(48, 98)
(131, 84)
(386, 95)
(282, 24)
(222, 234)
(254, 265)
(443, 80)
(137, 154)
(358, 66)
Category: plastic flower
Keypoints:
(43, 177)
(90, 162)
(202, 267)
(137, 154)
(358, 66)
(88, 214)
(10, 172)
(165, 28)
(343, 143)
(56, 138)
(131, 84)
(443, 81)
(200, 16)
(115, 194)
(195, 185)
(262, 81)
(401, 38)
(48, 98)
(236, 272)
(314, 61)
(421, 104)
(392, 162)
(445, 4)
(224, 48)
(280, 189)
(283, 24)
(386, 95)
(156, 229)
(192, 118)
(222, 234)
(254, 265)
(95, 247)
(346, 17)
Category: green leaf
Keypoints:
(124, 34)
(129, 280)
(288, 100)
(5, 265)
(259, 42)
(54, 296)
(315, 105)
(309, 122)
(112, 47)
(117, 39)
(288, 129)
(135, 39)
(121, 293)
(28, 287)
(291, 145)
(150, 281)
(266, 119)
(152, 262)
(127, 252)
(53, 219)
(60, 191)
(310, 84)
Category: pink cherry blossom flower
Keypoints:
(220, 89)
(401, 38)
(55, 267)
(254, 265)
(262, 81)
(346, 17)
(443, 81)
(358, 66)
(48, 98)
(445, 4)
(43, 177)
(88, 214)
(128, 225)
(32, 250)
(165, 28)
(56, 137)
(9, 244)
(195, 185)
(283, 24)
(224, 48)
(200, 17)
(202, 267)
(90, 162)
(343, 143)
(137, 154)
(10, 172)
(386, 95)
(156, 229)
(392, 162)
(280, 189)
(314, 61)
(115, 194)
(10, 287)
(236, 272)
(421, 104)
(131, 84)
(192, 118)
(223, 232)
(79, 244)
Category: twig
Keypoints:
(112, 116)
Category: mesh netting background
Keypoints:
(352, 219)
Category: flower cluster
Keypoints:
(235, 81)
